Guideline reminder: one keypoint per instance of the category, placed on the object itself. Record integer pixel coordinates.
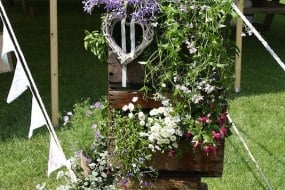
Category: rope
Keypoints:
(249, 153)
(259, 37)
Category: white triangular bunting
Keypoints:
(7, 45)
(56, 157)
(20, 83)
(37, 117)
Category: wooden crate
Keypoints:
(168, 184)
(174, 174)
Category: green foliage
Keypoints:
(96, 43)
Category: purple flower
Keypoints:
(96, 105)
(141, 9)
(124, 181)
(146, 184)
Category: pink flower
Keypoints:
(222, 119)
(196, 144)
(217, 135)
(203, 119)
(224, 130)
(171, 153)
(188, 135)
(209, 149)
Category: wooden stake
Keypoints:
(54, 61)
(238, 59)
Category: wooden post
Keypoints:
(238, 59)
(54, 61)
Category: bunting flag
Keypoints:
(23, 80)
(7, 45)
(20, 83)
(37, 117)
(57, 159)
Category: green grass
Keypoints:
(258, 111)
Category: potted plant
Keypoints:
(181, 109)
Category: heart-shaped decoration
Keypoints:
(124, 57)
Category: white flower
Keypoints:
(142, 134)
(164, 134)
(179, 133)
(149, 120)
(135, 99)
(166, 141)
(150, 146)
(141, 115)
(173, 138)
(131, 107)
(125, 108)
(157, 147)
(175, 145)
(155, 128)
(130, 115)
(142, 122)
(161, 110)
(65, 119)
(153, 112)
(197, 98)
(151, 138)
(209, 88)
(69, 113)
(165, 102)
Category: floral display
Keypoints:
(187, 69)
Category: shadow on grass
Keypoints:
(264, 148)
(246, 164)
(261, 74)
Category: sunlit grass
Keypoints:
(258, 111)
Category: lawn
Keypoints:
(258, 110)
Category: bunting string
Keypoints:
(37, 103)
(259, 37)
(249, 153)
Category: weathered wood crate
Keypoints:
(174, 174)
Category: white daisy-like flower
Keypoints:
(173, 138)
(141, 115)
(142, 123)
(125, 108)
(135, 99)
(130, 115)
(131, 107)
(153, 112)
(150, 146)
(151, 138)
